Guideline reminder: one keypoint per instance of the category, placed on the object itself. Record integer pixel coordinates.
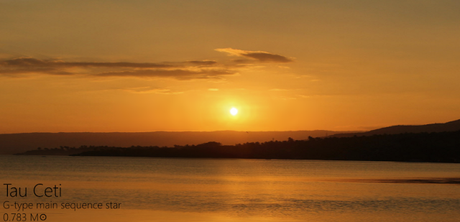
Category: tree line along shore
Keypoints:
(412, 147)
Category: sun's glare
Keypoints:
(233, 111)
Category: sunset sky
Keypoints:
(181, 65)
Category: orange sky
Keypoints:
(179, 65)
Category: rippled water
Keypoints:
(156, 189)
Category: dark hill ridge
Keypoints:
(17, 143)
(429, 128)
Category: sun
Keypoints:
(233, 111)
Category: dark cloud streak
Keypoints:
(31, 62)
(177, 74)
(205, 69)
(204, 62)
(267, 57)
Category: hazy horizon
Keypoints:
(256, 131)
(189, 131)
(15, 143)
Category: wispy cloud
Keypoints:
(183, 70)
(259, 56)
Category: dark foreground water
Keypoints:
(155, 189)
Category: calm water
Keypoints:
(155, 189)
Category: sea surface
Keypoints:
(163, 189)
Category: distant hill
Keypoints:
(429, 128)
(16, 143)
(21, 142)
